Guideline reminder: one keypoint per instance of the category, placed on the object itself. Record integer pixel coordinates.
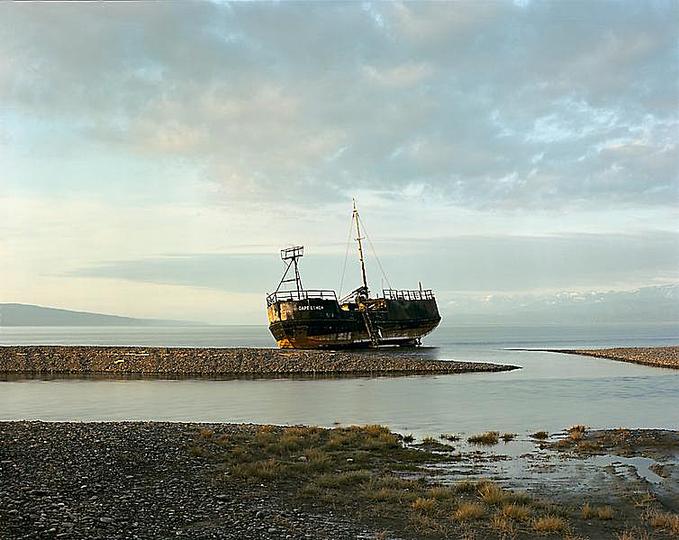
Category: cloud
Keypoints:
(449, 265)
(493, 147)
(313, 101)
(407, 74)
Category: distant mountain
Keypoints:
(29, 315)
(655, 304)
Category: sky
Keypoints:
(155, 157)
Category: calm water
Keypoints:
(551, 392)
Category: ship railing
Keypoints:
(402, 294)
(288, 296)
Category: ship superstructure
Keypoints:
(302, 318)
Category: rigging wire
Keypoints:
(346, 255)
(365, 232)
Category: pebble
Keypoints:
(139, 470)
(81, 360)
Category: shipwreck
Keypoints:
(302, 318)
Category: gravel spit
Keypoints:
(87, 360)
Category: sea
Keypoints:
(550, 392)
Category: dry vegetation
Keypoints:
(624, 442)
(549, 524)
(368, 474)
(634, 534)
(597, 512)
(488, 438)
(467, 511)
(664, 521)
(516, 512)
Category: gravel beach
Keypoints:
(667, 357)
(136, 480)
(139, 480)
(86, 360)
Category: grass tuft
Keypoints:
(634, 534)
(549, 524)
(372, 429)
(262, 470)
(506, 437)
(587, 446)
(468, 511)
(441, 493)
(540, 435)
(605, 512)
(205, 433)
(519, 497)
(425, 525)
(587, 511)
(423, 505)
(491, 493)
(564, 443)
(343, 479)
(503, 525)
(198, 451)
(318, 459)
(466, 486)
(223, 440)
(392, 482)
(488, 438)
(390, 495)
(599, 512)
(666, 521)
(517, 512)
(577, 432)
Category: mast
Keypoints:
(360, 248)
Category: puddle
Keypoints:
(641, 465)
(522, 465)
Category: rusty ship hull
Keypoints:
(301, 318)
(317, 323)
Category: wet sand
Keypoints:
(207, 362)
(150, 480)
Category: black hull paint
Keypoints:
(322, 324)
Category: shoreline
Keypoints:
(664, 357)
(207, 362)
(249, 481)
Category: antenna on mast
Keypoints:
(359, 238)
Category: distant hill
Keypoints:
(652, 305)
(30, 315)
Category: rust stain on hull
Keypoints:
(324, 324)
(300, 318)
